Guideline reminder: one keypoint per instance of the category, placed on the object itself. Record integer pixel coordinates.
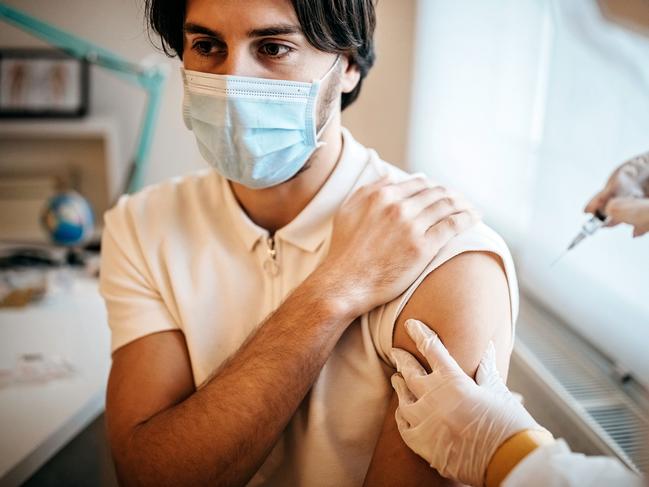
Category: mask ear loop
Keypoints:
(316, 86)
(186, 108)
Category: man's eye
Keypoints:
(275, 50)
(205, 47)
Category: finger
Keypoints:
(408, 364)
(408, 408)
(487, 362)
(401, 388)
(598, 202)
(411, 370)
(487, 374)
(616, 212)
(411, 186)
(435, 203)
(373, 186)
(441, 208)
(430, 346)
(439, 234)
(402, 423)
(628, 210)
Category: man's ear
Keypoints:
(350, 76)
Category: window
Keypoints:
(526, 106)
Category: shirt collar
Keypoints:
(248, 230)
(310, 228)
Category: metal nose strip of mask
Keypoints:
(219, 85)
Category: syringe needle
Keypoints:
(589, 228)
(558, 258)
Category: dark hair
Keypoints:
(335, 26)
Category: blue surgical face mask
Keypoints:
(254, 131)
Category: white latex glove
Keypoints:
(445, 417)
(625, 198)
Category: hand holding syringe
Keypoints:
(624, 199)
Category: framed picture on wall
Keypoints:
(42, 83)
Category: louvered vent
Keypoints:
(585, 380)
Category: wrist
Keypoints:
(511, 452)
(332, 296)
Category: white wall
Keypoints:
(378, 120)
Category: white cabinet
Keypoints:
(37, 419)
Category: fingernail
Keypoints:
(413, 328)
(395, 358)
(491, 350)
(418, 330)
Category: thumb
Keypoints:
(487, 374)
(401, 388)
(634, 211)
(599, 201)
(402, 423)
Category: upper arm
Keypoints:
(466, 301)
(151, 370)
(148, 376)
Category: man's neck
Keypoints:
(275, 207)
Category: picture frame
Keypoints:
(42, 83)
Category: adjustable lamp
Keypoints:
(151, 77)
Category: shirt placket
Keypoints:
(272, 268)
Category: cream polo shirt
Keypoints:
(182, 255)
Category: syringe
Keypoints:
(598, 220)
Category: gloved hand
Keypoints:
(448, 419)
(625, 198)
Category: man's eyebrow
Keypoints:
(192, 28)
(268, 31)
(275, 30)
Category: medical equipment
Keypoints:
(589, 228)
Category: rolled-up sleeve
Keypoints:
(481, 238)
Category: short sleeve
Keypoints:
(134, 305)
(480, 238)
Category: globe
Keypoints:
(68, 218)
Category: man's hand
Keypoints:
(625, 198)
(386, 234)
(454, 423)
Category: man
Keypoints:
(253, 306)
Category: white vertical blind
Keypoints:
(526, 106)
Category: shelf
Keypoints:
(91, 127)
(82, 153)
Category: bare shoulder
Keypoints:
(467, 302)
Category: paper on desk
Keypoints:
(36, 368)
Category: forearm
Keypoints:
(221, 434)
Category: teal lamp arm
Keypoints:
(154, 85)
(150, 77)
